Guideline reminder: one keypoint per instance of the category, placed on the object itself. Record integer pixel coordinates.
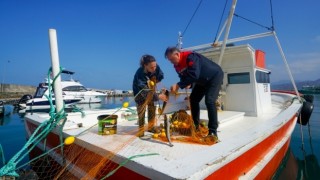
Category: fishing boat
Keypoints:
(255, 128)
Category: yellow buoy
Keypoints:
(155, 136)
(69, 140)
(125, 104)
(151, 83)
(163, 134)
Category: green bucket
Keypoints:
(107, 124)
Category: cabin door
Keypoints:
(240, 94)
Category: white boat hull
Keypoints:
(41, 103)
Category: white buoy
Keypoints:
(55, 69)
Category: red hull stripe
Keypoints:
(244, 163)
(233, 170)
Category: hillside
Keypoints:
(288, 85)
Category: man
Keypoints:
(204, 76)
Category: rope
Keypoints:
(77, 109)
(37, 136)
(2, 155)
(225, 5)
(125, 162)
(310, 137)
(268, 28)
(271, 12)
(194, 13)
(30, 161)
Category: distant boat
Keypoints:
(1, 108)
(310, 89)
(75, 88)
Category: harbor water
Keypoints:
(304, 151)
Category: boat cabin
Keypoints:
(246, 83)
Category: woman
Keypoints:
(145, 78)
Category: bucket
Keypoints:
(107, 124)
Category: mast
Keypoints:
(226, 35)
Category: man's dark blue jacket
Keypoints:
(195, 68)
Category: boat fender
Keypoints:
(305, 113)
(308, 97)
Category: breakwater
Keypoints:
(15, 88)
(11, 93)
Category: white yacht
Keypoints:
(75, 88)
(40, 100)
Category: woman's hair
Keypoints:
(146, 59)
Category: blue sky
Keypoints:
(103, 40)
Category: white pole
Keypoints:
(226, 35)
(243, 38)
(56, 69)
(287, 65)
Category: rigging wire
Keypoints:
(194, 13)
(225, 5)
(271, 12)
(252, 22)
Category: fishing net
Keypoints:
(67, 160)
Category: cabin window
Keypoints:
(40, 92)
(75, 88)
(262, 77)
(239, 78)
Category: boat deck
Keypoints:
(237, 134)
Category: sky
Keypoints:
(103, 40)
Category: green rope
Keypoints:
(40, 156)
(38, 135)
(2, 155)
(131, 110)
(77, 109)
(126, 161)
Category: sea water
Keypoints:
(305, 141)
